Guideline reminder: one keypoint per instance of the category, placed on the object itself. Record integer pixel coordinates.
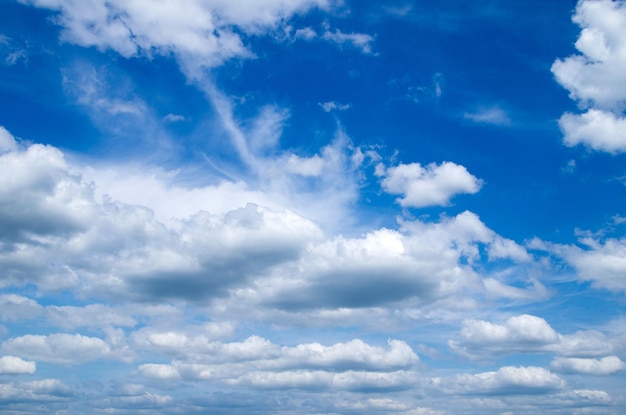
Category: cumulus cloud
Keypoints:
(419, 264)
(11, 365)
(508, 380)
(210, 32)
(595, 78)
(7, 141)
(15, 307)
(65, 231)
(58, 348)
(605, 366)
(259, 363)
(600, 130)
(432, 185)
(527, 333)
(42, 391)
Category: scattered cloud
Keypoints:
(361, 41)
(174, 117)
(432, 185)
(332, 106)
(508, 380)
(595, 78)
(493, 115)
(603, 262)
(606, 366)
(528, 334)
(58, 348)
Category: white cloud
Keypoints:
(174, 117)
(605, 366)
(39, 391)
(419, 265)
(7, 141)
(493, 115)
(597, 129)
(259, 363)
(332, 105)
(525, 329)
(601, 262)
(508, 379)
(360, 41)
(596, 77)
(10, 52)
(11, 365)
(58, 348)
(433, 185)
(207, 31)
(525, 334)
(15, 307)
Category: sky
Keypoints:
(312, 207)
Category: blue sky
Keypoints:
(312, 207)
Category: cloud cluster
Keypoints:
(596, 77)
(525, 333)
(58, 236)
(259, 363)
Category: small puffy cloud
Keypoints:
(493, 115)
(525, 329)
(605, 366)
(599, 130)
(596, 78)
(11, 365)
(432, 185)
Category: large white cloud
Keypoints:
(432, 185)
(206, 30)
(596, 77)
(416, 265)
